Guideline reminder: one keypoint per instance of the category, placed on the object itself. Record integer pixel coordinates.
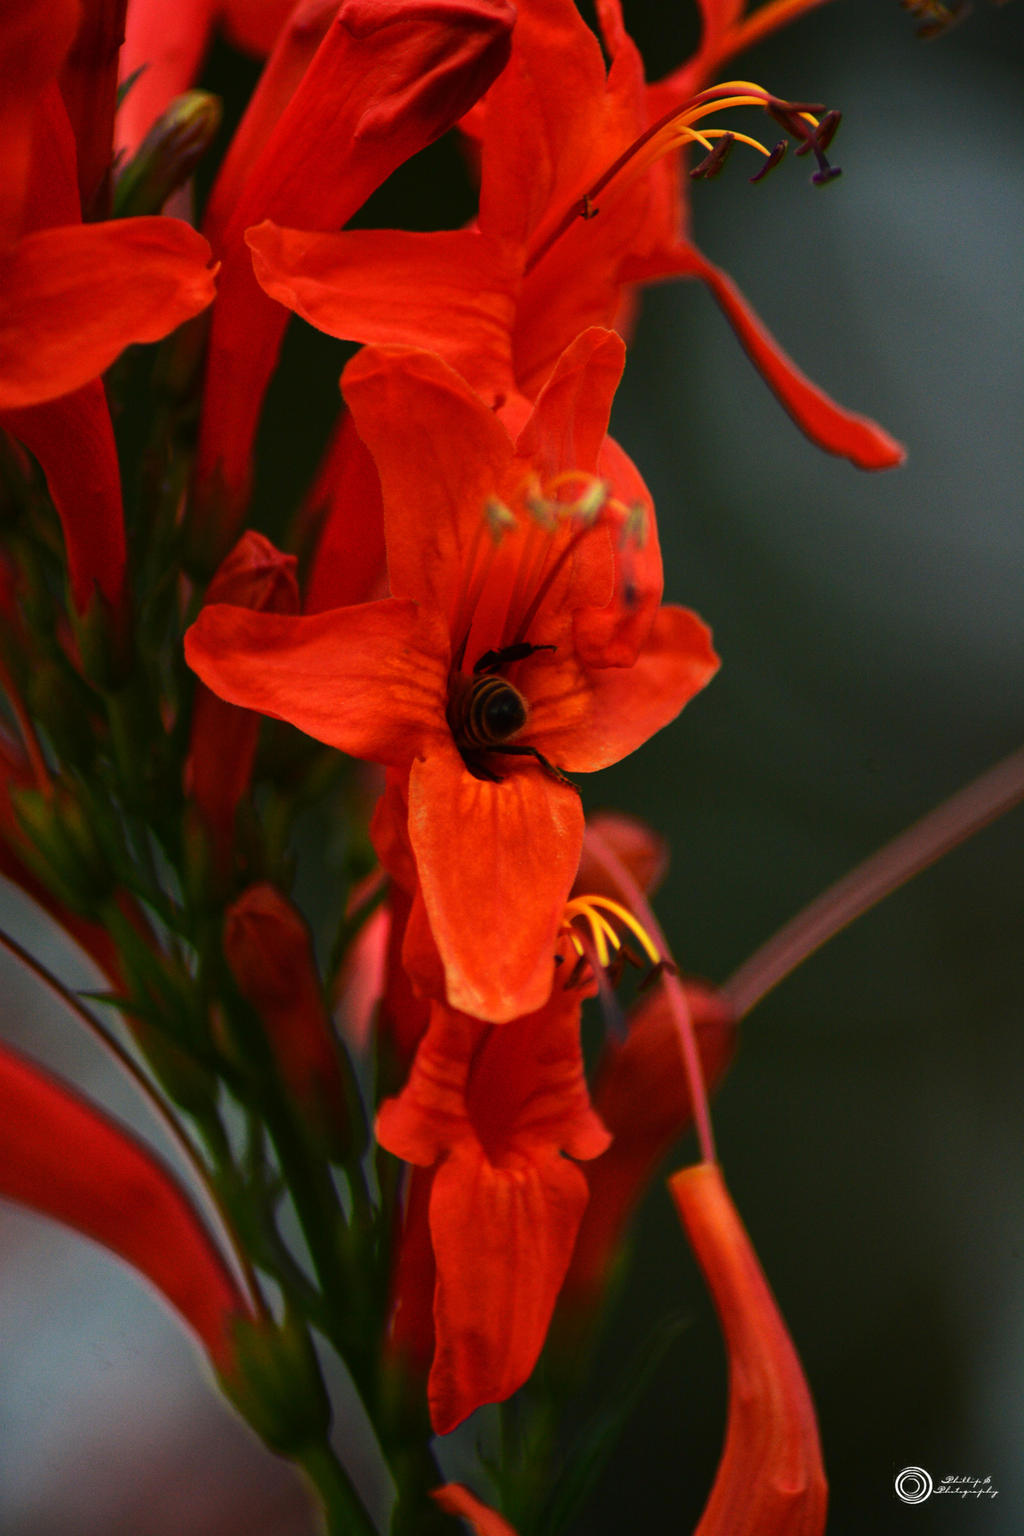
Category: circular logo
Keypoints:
(913, 1485)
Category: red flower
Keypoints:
(62, 1157)
(320, 134)
(72, 297)
(523, 638)
(269, 951)
(770, 1480)
(502, 299)
(492, 1109)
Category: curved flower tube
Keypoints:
(770, 1480)
(62, 1157)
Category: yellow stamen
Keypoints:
(592, 910)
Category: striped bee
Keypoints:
(486, 713)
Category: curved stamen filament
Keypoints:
(497, 519)
(675, 128)
(597, 912)
(573, 496)
(548, 510)
(623, 879)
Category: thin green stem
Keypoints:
(344, 1512)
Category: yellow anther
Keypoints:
(636, 525)
(499, 518)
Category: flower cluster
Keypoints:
(468, 603)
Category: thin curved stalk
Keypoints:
(982, 801)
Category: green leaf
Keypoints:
(595, 1442)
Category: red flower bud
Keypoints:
(223, 741)
(269, 951)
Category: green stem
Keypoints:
(344, 1512)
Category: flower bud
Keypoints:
(223, 740)
(269, 951)
(275, 1382)
(168, 154)
(64, 850)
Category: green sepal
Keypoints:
(276, 1384)
(168, 154)
(64, 850)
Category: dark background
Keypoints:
(870, 628)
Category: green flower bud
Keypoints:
(168, 154)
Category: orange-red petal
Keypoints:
(495, 862)
(770, 1480)
(440, 453)
(567, 428)
(583, 719)
(502, 1239)
(831, 426)
(612, 635)
(444, 291)
(369, 680)
(455, 1499)
(71, 300)
(497, 1105)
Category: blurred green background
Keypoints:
(870, 628)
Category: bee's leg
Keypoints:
(491, 661)
(479, 769)
(513, 750)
